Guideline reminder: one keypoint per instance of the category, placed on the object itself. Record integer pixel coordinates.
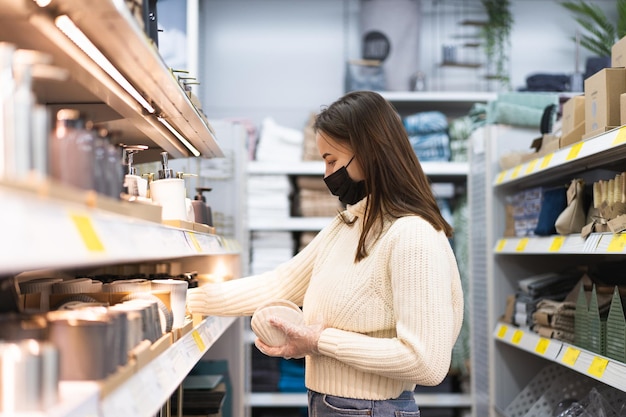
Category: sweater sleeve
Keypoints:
(241, 297)
(428, 310)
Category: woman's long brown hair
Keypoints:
(394, 179)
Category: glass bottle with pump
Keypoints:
(202, 211)
(169, 192)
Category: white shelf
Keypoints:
(286, 168)
(432, 169)
(277, 399)
(289, 224)
(76, 399)
(601, 368)
(439, 96)
(143, 394)
(595, 244)
(109, 25)
(40, 233)
(445, 169)
(600, 150)
(271, 399)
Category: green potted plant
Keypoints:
(497, 36)
(601, 32)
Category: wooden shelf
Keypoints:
(469, 22)
(471, 65)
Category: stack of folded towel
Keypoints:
(531, 291)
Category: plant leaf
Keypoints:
(621, 19)
(602, 34)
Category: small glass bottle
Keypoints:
(84, 157)
(72, 150)
(62, 143)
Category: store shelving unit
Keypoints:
(52, 234)
(513, 355)
(118, 79)
(451, 103)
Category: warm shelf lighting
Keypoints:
(180, 137)
(67, 26)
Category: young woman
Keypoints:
(379, 286)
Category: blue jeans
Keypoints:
(322, 405)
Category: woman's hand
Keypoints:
(301, 340)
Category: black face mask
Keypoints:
(341, 185)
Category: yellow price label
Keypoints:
(574, 151)
(194, 241)
(501, 177)
(571, 356)
(87, 232)
(542, 345)
(516, 171)
(198, 339)
(531, 166)
(502, 331)
(621, 136)
(598, 366)
(521, 246)
(617, 243)
(546, 160)
(557, 243)
(501, 244)
(517, 337)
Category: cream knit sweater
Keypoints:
(391, 320)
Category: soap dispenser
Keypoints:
(136, 185)
(169, 192)
(202, 211)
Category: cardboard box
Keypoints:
(602, 98)
(598, 132)
(575, 135)
(618, 53)
(573, 114)
(622, 109)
